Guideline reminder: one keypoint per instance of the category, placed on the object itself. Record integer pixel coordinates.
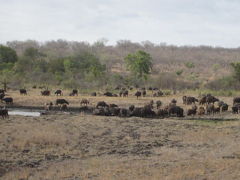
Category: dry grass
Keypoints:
(69, 147)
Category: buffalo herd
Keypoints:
(205, 105)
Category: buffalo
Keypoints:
(175, 110)
(102, 104)
(190, 100)
(45, 93)
(84, 102)
(236, 100)
(2, 96)
(61, 101)
(74, 92)
(63, 107)
(210, 109)
(192, 111)
(93, 94)
(138, 94)
(8, 100)
(159, 104)
(58, 92)
(201, 111)
(4, 113)
(48, 106)
(23, 91)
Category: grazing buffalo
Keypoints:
(236, 100)
(236, 108)
(113, 105)
(138, 94)
(123, 93)
(190, 100)
(102, 104)
(48, 106)
(192, 111)
(210, 108)
(174, 101)
(8, 100)
(162, 113)
(63, 107)
(109, 94)
(211, 99)
(61, 101)
(2, 96)
(4, 113)
(84, 102)
(144, 93)
(147, 111)
(115, 111)
(45, 93)
(201, 111)
(2, 91)
(124, 112)
(158, 94)
(159, 104)
(175, 110)
(23, 91)
(93, 94)
(74, 92)
(58, 92)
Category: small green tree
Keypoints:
(189, 65)
(139, 63)
(236, 68)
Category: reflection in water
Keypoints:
(23, 113)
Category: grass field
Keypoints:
(75, 146)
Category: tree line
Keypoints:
(80, 64)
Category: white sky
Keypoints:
(179, 22)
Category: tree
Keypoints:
(7, 55)
(236, 68)
(139, 63)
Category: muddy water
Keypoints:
(24, 113)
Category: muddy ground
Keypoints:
(63, 146)
(78, 146)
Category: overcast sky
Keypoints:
(179, 22)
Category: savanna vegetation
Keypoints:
(72, 64)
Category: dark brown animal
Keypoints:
(190, 100)
(192, 111)
(45, 93)
(101, 104)
(8, 100)
(61, 101)
(84, 102)
(201, 111)
(159, 104)
(4, 113)
(93, 94)
(236, 100)
(138, 94)
(63, 107)
(210, 109)
(144, 93)
(236, 108)
(23, 91)
(48, 106)
(58, 92)
(74, 92)
(175, 110)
